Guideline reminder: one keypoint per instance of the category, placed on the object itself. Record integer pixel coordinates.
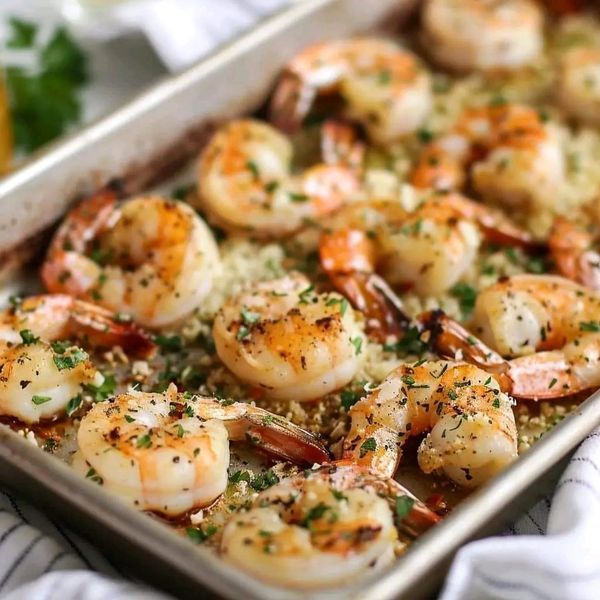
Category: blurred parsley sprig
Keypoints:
(44, 101)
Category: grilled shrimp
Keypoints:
(41, 372)
(323, 527)
(293, 343)
(169, 452)
(427, 248)
(550, 324)
(472, 432)
(245, 184)
(384, 86)
(482, 34)
(152, 258)
(509, 154)
(579, 84)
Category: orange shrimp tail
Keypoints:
(348, 258)
(102, 329)
(81, 225)
(290, 103)
(569, 249)
(451, 340)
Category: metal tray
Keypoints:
(142, 143)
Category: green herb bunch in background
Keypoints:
(44, 99)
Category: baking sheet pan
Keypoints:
(139, 144)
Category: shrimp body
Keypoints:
(320, 529)
(531, 313)
(427, 249)
(292, 342)
(37, 379)
(471, 429)
(152, 258)
(245, 184)
(384, 86)
(579, 84)
(509, 154)
(482, 35)
(169, 453)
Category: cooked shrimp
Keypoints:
(323, 527)
(169, 453)
(545, 375)
(571, 249)
(245, 184)
(579, 84)
(509, 154)
(287, 339)
(37, 379)
(472, 432)
(482, 34)
(427, 249)
(384, 86)
(151, 258)
(530, 313)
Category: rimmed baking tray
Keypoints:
(141, 143)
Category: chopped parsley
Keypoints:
(349, 398)
(93, 476)
(144, 441)
(295, 197)
(101, 392)
(243, 333)
(264, 480)
(37, 400)
(240, 476)
(73, 405)
(199, 535)
(466, 296)
(315, 513)
(357, 342)
(253, 168)
(169, 343)
(71, 360)
(343, 302)
(369, 445)
(248, 317)
(409, 344)
(305, 294)
(589, 326)
(28, 337)
(404, 505)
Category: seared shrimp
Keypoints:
(579, 84)
(287, 339)
(152, 258)
(40, 371)
(550, 325)
(508, 152)
(427, 249)
(245, 184)
(529, 313)
(472, 432)
(323, 527)
(169, 453)
(384, 86)
(482, 34)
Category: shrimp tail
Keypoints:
(347, 256)
(291, 103)
(283, 439)
(450, 339)
(105, 330)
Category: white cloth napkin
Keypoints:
(551, 553)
